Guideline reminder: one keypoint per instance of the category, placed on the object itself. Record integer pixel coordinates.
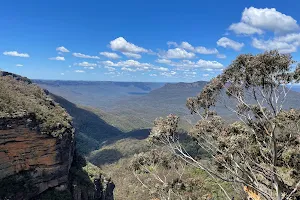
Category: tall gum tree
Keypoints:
(260, 152)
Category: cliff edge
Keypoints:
(36, 140)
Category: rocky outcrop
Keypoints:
(41, 160)
(87, 182)
(36, 140)
(37, 156)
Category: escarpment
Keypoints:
(36, 140)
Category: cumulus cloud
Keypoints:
(128, 69)
(228, 43)
(110, 55)
(80, 55)
(79, 71)
(138, 66)
(61, 58)
(19, 65)
(256, 20)
(168, 74)
(190, 74)
(110, 68)
(120, 44)
(284, 44)
(160, 68)
(281, 46)
(86, 64)
(164, 61)
(177, 53)
(203, 50)
(172, 44)
(132, 55)
(189, 47)
(203, 64)
(62, 49)
(290, 38)
(242, 28)
(16, 54)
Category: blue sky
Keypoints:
(140, 40)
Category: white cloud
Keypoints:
(228, 43)
(62, 49)
(160, 68)
(168, 74)
(164, 61)
(255, 20)
(79, 71)
(110, 55)
(153, 74)
(110, 68)
(62, 74)
(209, 64)
(203, 50)
(177, 53)
(61, 58)
(190, 73)
(138, 66)
(172, 44)
(281, 46)
(132, 55)
(205, 75)
(290, 38)
(19, 65)
(128, 69)
(242, 28)
(86, 64)
(120, 44)
(89, 67)
(189, 47)
(203, 64)
(284, 44)
(15, 53)
(221, 56)
(80, 55)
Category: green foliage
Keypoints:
(83, 172)
(123, 148)
(261, 151)
(19, 98)
(168, 177)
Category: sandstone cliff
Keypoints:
(36, 140)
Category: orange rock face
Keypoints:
(45, 160)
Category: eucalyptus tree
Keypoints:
(260, 152)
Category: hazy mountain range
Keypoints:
(137, 104)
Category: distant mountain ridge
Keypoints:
(184, 85)
(146, 86)
(135, 108)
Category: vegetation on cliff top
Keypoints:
(260, 152)
(19, 98)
